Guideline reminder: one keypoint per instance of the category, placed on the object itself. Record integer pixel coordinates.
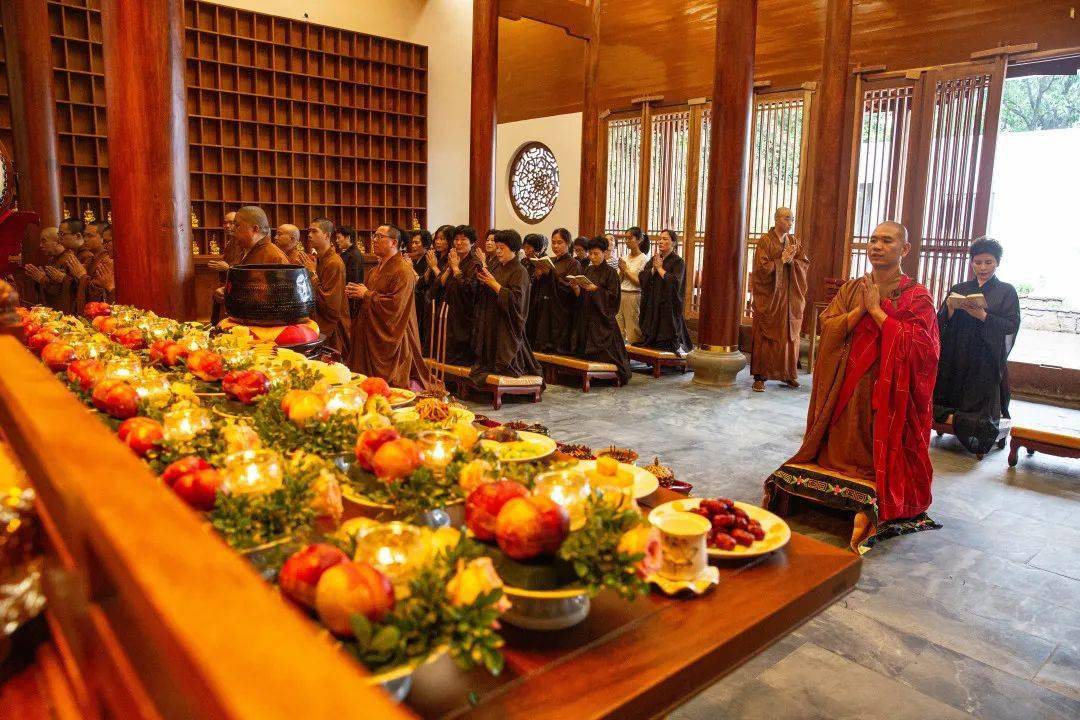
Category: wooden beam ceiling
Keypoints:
(573, 17)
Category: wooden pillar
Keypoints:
(717, 359)
(824, 233)
(589, 210)
(33, 108)
(148, 174)
(485, 86)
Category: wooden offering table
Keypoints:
(642, 660)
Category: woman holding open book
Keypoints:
(978, 321)
(551, 318)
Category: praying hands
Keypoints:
(485, 276)
(356, 291)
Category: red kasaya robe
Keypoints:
(881, 377)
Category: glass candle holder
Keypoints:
(618, 492)
(568, 488)
(235, 358)
(252, 471)
(153, 387)
(195, 340)
(90, 350)
(185, 422)
(345, 399)
(126, 368)
(160, 330)
(437, 449)
(395, 549)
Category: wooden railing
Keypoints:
(152, 616)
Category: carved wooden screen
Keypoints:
(958, 132)
(667, 171)
(923, 155)
(697, 254)
(877, 186)
(623, 173)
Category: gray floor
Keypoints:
(979, 619)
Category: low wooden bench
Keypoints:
(587, 370)
(497, 385)
(1061, 442)
(1004, 426)
(657, 358)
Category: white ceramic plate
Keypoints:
(645, 483)
(459, 415)
(544, 446)
(777, 532)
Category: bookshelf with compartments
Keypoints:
(304, 120)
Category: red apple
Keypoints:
(141, 434)
(30, 327)
(352, 588)
(85, 372)
(40, 339)
(206, 365)
(301, 572)
(245, 385)
(484, 503)
(130, 337)
(181, 467)
(57, 355)
(296, 335)
(167, 352)
(530, 526)
(116, 398)
(369, 441)
(375, 386)
(199, 488)
(96, 309)
(396, 459)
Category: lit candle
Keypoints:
(437, 449)
(568, 488)
(153, 387)
(396, 549)
(123, 368)
(252, 471)
(345, 399)
(236, 357)
(185, 422)
(195, 340)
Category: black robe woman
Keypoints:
(597, 336)
(533, 247)
(502, 302)
(972, 390)
(426, 268)
(556, 303)
(459, 289)
(663, 326)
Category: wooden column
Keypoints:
(588, 213)
(33, 108)
(717, 359)
(824, 233)
(148, 173)
(485, 85)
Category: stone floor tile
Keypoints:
(1061, 673)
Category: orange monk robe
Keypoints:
(779, 296)
(868, 425)
(264, 252)
(331, 307)
(385, 338)
(102, 278)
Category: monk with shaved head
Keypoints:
(868, 428)
(778, 291)
(252, 237)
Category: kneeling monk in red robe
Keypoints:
(868, 427)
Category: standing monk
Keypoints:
(345, 240)
(231, 254)
(331, 307)
(287, 238)
(252, 238)
(778, 289)
(663, 326)
(99, 266)
(868, 427)
(501, 345)
(385, 340)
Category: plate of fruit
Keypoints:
(608, 470)
(739, 529)
(516, 445)
(401, 396)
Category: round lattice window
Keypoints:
(534, 182)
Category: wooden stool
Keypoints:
(587, 370)
(657, 358)
(1004, 426)
(1057, 441)
(497, 385)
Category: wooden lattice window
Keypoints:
(534, 182)
(669, 141)
(623, 174)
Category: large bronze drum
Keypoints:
(269, 294)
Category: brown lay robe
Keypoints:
(331, 307)
(779, 296)
(385, 339)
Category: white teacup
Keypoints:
(682, 541)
